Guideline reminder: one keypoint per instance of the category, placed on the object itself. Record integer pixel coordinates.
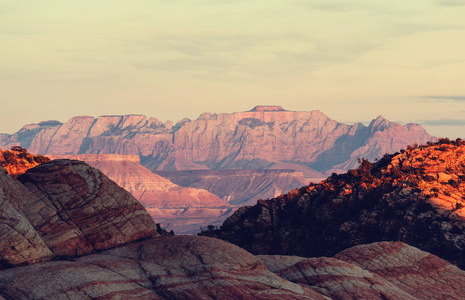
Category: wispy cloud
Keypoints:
(441, 98)
(451, 2)
(443, 122)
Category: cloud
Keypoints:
(441, 98)
(451, 2)
(443, 122)
(335, 5)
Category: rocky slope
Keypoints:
(65, 208)
(416, 196)
(181, 209)
(255, 139)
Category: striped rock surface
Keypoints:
(79, 210)
(419, 273)
(384, 270)
(174, 267)
(19, 242)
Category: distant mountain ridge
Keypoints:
(256, 139)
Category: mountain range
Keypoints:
(206, 167)
(262, 138)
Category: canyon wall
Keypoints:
(256, 139)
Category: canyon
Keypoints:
(69, 232)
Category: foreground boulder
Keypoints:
(192, 267)
(184, 267)
(79, 210)
(385, 270)
(65, 208)
(19, 242)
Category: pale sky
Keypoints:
(169, 59)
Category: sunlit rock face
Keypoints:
(255, 139)
(18, 160)
(415, 196)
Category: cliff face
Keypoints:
(415, 197)
(104, 245)
(256, 139)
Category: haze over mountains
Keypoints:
(256, 139)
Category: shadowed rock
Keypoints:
(19, 242)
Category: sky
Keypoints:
(170, 59)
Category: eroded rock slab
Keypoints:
(179, 267)
(79, 210)
(419, 273)
(19, 242)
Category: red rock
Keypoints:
(254, 139)
(179, 267)
(239, 187)
(79, 210)
(421, 274)
(177, 208)
(19, 243)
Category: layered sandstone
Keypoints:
(255, 139)
(385, 270)
(19, 243)
(190, 267)
(415, 196)
(78, 210)
(177, 208)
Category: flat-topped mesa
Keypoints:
(97, 157)
(267, 108)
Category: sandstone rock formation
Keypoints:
(78, 204)
(415, 197)
(192, 267)
(19, 243)
(79, 210)
(181, 209)
(256, 139)
(385, 270)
